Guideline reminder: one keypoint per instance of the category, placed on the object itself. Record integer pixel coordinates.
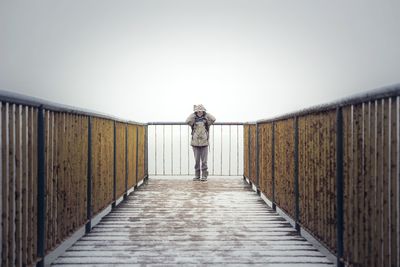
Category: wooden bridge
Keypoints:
(175, 221)
(76, 189)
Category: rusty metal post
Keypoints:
(137, 157)
(249, 153)
(41, 187)
(126, 162)
(257, 161)
(146, 153)
(115, 168)
(339, 186)
(296, 174)
(273, 166)
(88, 225)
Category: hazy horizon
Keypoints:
(152, 60)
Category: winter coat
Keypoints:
(200, 128)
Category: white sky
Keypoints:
(151, 60)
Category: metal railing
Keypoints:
(60, 167)
(170, 152)
(335, 170)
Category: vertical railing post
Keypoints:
(172, 150)
(273, 166)
(244, 145)
(88, 225)
(296, 174)
(257, 161)
(163, 150)
(249, 153)
(237, 149)
(41, 219)
(115, 168)
(146, 153)
(221, 149)
(339, 185)
(126, 162)
(229, 173)
(137, 155)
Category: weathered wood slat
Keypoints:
(231, 265)
(24, 184)
(393, 181)
(11, 184)
(193, 223)
(18, 184)
(5, 182)
(190, 259)
(279, 247)
(194, 253)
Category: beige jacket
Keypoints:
(199, 132)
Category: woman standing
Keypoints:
(200, 122)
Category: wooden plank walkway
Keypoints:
(176, 221)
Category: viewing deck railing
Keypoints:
(335, 170)
(170, 152)
(60, 166)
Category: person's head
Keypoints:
(199, 113)
(199, 110)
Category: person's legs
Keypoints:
(197, 157)
(204, 156)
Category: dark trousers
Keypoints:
(200, 156)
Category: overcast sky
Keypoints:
(151, 60)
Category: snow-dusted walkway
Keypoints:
(175, 221)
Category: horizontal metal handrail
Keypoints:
(12, 97)
(184, 123)
(379, 93)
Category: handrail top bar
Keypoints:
(384, 92)
(16, 98)
(375, 94)
(183, 123)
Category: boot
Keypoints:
(197, 176)
(204, 176)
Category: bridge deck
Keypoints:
(176, 221)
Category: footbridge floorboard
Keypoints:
(174, 221)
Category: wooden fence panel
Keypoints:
(132, 179)
(120, 158)
(265, 155)
(65, 170)
(66, 148)
(372, 183)
(371, 177)
(102, 163)
(317, 176)
(18, 199)
(284, 165)
(253, 151)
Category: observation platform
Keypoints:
(172, 221)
